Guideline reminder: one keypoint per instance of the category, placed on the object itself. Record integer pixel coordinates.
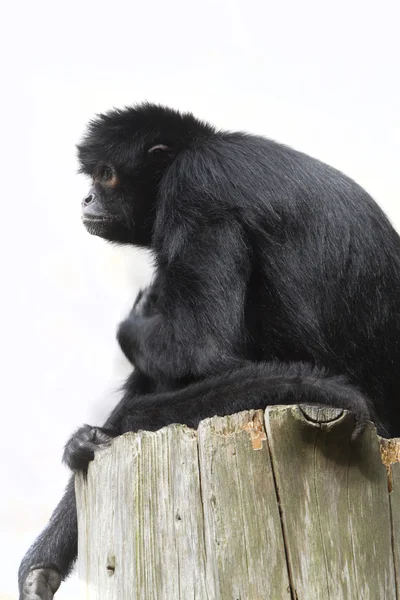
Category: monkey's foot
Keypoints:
(41, 584)
(81, 446)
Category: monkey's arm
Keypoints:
(197, 328)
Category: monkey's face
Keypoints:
(102, 207)
(121, 202)
(126, 153)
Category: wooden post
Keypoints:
(276, 506)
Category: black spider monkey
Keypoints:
(277, 281)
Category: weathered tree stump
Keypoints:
(277, 505)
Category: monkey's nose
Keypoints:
(88, 200)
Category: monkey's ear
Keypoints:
(158, 149)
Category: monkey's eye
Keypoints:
(105, 173)
(158, 149)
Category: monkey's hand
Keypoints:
(41, 583)
(145, 303)
(145, 307)
(82, 445)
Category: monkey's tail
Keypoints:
(254, 386)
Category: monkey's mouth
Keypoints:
(87, 219)
(105, 227)
(95, 225)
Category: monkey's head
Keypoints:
(127, 153)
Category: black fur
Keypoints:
(277, 281)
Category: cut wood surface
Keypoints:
(277, 505)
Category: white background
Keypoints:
(323, 77)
